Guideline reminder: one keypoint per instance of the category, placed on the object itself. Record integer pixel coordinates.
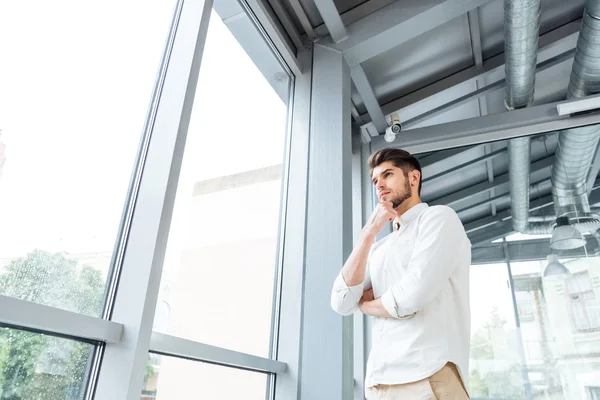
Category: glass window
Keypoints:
(585, 306)
(170, 378)
(561, 326)
(217, 282)
(540, 336)
(495, 362)
(76, 79)
(36, 366)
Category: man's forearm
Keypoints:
(354, 268)
(374, 308)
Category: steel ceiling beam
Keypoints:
(551, 44)
(487, 186)
(368, 96)
(501, 225)
(303, 18)
(442, 155)
(502, 196)
(471, 163)
(526, 250)
(475, 32)
(484, 91)
(396, 24)
(476, 48)
(355, 13)
(489, 128)
(593, 174)
(332, 19)
(288, 24)
(338, 32)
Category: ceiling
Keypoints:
(460, 51)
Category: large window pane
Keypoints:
(562, 337)
(170, 378)
(217, 284)
(496, 357)
(539, 337)
(76, 79)
(36, 366)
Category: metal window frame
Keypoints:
(287, 346)
(122, 370)
(123, 336)
(174, 346)
(26, 315)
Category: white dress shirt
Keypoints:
(421, 273)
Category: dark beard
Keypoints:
(396, 202)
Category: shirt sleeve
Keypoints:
(441, 235)
(344, 298)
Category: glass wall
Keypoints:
(220, 266)
(217, 284)
(170, 378)
(73, 103)
(36, 366)
(535, 329)
(75, 122)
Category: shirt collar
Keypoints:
(410, 215)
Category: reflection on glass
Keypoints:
(561, 328)
(73, 102)
(539, 337)
(170, 378)
(35, 366)
(217, 283)
(495, 360)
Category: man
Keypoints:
(415, 283)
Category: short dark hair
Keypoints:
(401, 158)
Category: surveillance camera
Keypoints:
(395, 123)
(390, 135)
(394, 128)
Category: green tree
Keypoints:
(506, 384)
(35, 366)
(478, 387)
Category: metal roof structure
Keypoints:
(438, 62)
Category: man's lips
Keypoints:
(383, 194)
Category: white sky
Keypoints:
(75, 83)
(489, 289)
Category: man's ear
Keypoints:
(416, 177)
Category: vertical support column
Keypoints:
(358, 223)
(369, 201)
(122, 372)
(524, 372)
(326, 371)
(289, 332)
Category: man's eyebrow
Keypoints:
(382, 172)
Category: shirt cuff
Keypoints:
(356, 291)
(389, 303)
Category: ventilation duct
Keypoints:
(521, 32)
(576, 147)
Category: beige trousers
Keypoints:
(443, 385)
